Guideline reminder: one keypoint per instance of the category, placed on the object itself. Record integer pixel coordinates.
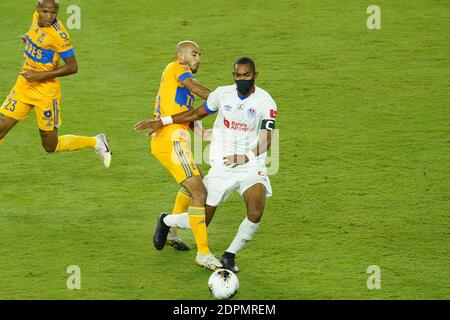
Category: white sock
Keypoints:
(178, 220)
(246, 231)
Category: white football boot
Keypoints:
(102, 149)
(208, 261)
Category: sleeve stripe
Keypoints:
(205, 106)
(67, 54)
(184, 76)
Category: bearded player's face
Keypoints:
(191, 57)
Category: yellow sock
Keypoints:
(181, 201)
(181, 204)
(73, 143)
(198, 225)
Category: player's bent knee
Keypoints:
(49, 148)
(202, 191)
(49, 140)
(200, 194)
(197, 189)
(254, 215)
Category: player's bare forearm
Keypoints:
(201, 91)
(70, 67)
(66, 70)
(197, 88)
(264, 142)
(190, 116)
(60, 72)
(185, 117)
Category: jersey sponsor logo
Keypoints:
(268, 124)
(273, 113)
(238, 126)
(251, 112)
(37, 53)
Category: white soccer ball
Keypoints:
(223, 284)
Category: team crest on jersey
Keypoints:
(42, 37)
(251, 112)
(228, 107)
(47, 114)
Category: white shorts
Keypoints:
(221, 182)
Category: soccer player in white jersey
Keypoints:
(241, 137)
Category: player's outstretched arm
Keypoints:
(70, 67)
(264, 142)
(180, 118)
(197, 88)
(190, 115)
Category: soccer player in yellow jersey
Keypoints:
(38, 86)
(171, 146)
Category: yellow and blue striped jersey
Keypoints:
(173, 97)
(44, 47)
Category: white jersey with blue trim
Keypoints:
(239, 122)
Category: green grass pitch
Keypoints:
(364, 130)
